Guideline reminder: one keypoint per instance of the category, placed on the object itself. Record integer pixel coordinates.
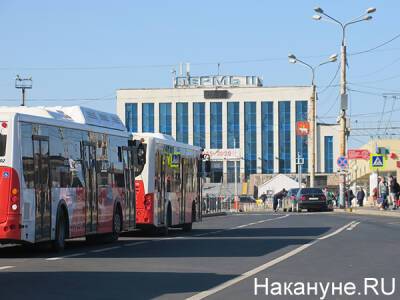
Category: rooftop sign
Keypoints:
(217, 81)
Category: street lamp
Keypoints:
(366, 16)
(312, 111)
(22, 84)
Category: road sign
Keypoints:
(358, 154)
(342, 162)
(377, 161)
(302, 128)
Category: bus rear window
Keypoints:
(3, 143)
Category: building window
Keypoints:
(147, 117)
(284, 136)
(231, 171)
(267, 138)
(199, 124)
(233, 125)
(328, 142)
(250, 138)
(301, 141)
(165, 118)
(216, 125)
(131, 117)
(182, 132)
(217, 171)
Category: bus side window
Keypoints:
(27, 156)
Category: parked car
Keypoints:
(247, 199)
(289, 202)
(311, 199)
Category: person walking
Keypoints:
(383, 193)
(394, 191)
(278, 198)
(360, 197)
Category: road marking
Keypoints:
(105, 249)
(135, 243)
(65, 256)
(263, 267)
(6, 267)
(353, 226)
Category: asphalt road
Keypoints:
(219, 259)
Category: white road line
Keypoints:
(353, 226)
(105, 249)
(135, 243)
(263, 267)
(6, 267)
(65, 256)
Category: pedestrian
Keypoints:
(360, 197)
(349, 197)
(383, 193)
(394, 191)
(277, 199)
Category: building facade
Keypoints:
(236, 120)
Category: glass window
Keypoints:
(250, 138)
(199, 127)
(27, 154)
(231, 171)
(216, 125)
(301, 141)
(284, 136)
(267, 138)
(131, 117)
(216, 171)
(182, 132)
(328, 141)
(233, 125)
(3, 143)
(147, 117)
(165, 118)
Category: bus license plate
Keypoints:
(313, 198)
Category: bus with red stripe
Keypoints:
(65, 172)
(168, 190)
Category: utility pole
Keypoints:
(312, 135)
(22, 84)
(343, 90)
(235, 186)
(342, 118)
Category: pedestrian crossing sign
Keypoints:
(376, 161)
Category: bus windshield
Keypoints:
(3, 143)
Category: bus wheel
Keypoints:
(117, 225)
(188, 226)
(61, 228)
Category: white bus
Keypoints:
(65, 172)
(168, 190)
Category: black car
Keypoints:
(247, 199)
(311, 199)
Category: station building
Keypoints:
(236, 120)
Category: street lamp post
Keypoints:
(343, 90)
(312, 111)
(22, 84)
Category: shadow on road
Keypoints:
(104, 285)
(243, 242)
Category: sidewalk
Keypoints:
(372, 211)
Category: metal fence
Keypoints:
(217, 204)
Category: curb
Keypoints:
(216, 214)
(371, 213)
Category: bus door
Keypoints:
(88, 155)
(182, 198)
(161, 197)
(42, 188)
(129, 180)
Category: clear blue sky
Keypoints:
(87, 49)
